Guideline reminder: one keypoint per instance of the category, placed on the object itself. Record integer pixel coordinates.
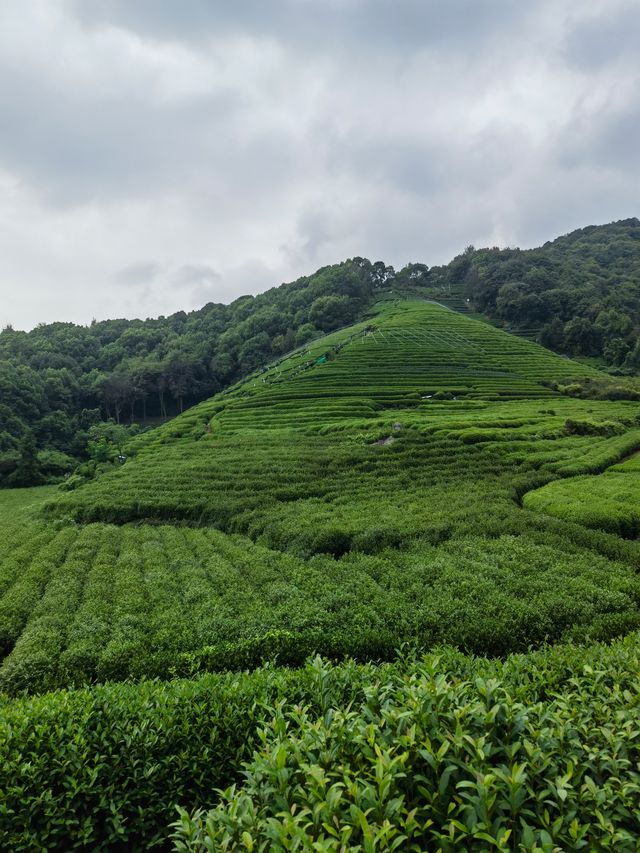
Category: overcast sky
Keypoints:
(156, 155)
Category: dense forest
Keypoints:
(60, 382)
(579, 294)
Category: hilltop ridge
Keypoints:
(578, 295)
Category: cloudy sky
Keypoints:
(156, 155)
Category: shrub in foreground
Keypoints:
(103, 768)
(430, 761)
(534, 751)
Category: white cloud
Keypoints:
(156, 156)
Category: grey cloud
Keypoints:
(618, 144)
(605, 140)
(321, 27)
(195, 274)
(203, 284)
(193, 151)
(73, 146)
(605, 38)
(136, 275)
(410, 164)
(317, 228)
(194, 283)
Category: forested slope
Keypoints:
(579, 295)
(60, 379)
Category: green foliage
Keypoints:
(330, 312)
(577, 295)
(432, 758)
(574, 427)
(54, 464)
(609, 502)
(53, 376)
(375, 488)
(354, 512)
(542, 745)
(103, 769)
(98, 603)
(27, 471)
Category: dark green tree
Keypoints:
(27, 472)
(552, 335)
(329, 312)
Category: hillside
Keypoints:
(413, 430)
(578, 295)
(367, 493)
(61, 379)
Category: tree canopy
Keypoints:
(579, 295)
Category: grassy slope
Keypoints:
(326, 541)
(20, 504)
(609, 501)
(333, 541)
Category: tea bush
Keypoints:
(100, 603)
(344, 544)
(542, 745)
(431, 760)
(377, 487)
(609, 502)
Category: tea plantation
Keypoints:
(610, 501)
(417, 500)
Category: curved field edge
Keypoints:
(609, 501)
(534, 752)
(99, 603)
(438, 550)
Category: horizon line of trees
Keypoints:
(580, 294)
(60, 379)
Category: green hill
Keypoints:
(365, 494)
(406, 439)
(578, 295)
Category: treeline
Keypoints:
(60, 379)
(579, 294)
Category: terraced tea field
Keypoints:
(98, 602)
(382, 486)
(306, 429)
(407, 356)
(341, 497)
(610, 501)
